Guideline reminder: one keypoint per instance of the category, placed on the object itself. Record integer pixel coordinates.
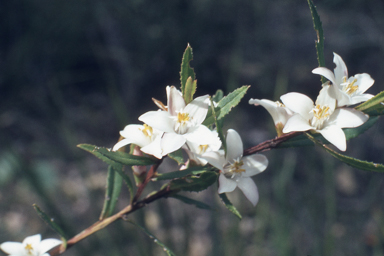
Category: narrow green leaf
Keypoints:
(51, 223)
(177, 156)
(189, 90)
(373, 106)
(112, 192)
(150, 235)
(112, 157)
(320, 37)
(183, 173)
(356, 163)
(186, 70)
(191, 201)
(126, 179)
(218, 96)
(194, 183)
(350, 133)
(226, 104)
(229, 205)
(219, 127)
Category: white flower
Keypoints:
(236, 170)
(196, 152)
(347, 91)
(280, 114)
(31, 246)
(322, 118)
(143, 136)
(181, 123)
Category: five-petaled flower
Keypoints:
(180, 123)
(31, 246)
(347, 91)
(280, 114)
(236, 170)
(323, 117)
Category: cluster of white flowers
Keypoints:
(31, 246)
(179, 125)
(330, 113)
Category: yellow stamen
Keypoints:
(236, 167)
(321, 112)
(203, 148)
(29, 248)
(350, 88)
(182, 117)
(148, 131)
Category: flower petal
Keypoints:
(324, 98)
(160, 120)
(341, 70)
(198, 109)
(171, 142)
(254, 164)
(226, 185)
(364, 81)
(201, 135)
(48, 244)
(175, 100)
(14, 248)
(347, 118)
(234, 145)
(154, 148)
(325, 73)
(121, 144)
(361, 98)
(215, 158)
(249, 188)
(297, 124)
(279, 113)
(298, 103)
(335, 136)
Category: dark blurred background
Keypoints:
(76, 72)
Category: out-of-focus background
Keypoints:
(76, 72)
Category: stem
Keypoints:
(269, 144)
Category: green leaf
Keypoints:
(373, 106)
(112, 157)
(183, 173)
(302, 140)
(226, 104)
(190, 89)
(112, 192)
(219, 127)
(194, 183)
(126, 179)
(356, 163)
(150, 235)
(177, 156)
(51, 223)
(186, 70)
(218, 96)
(229, 205)
(320, 37)
(191, 201)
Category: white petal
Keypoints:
(215, 158)
(298, 103)
(198, 109)
(335, 136)
(324, 99)
(254, 164)
(175, 101)
(226, 185)
(14, 248)
(364, 81)
(279, 114)
(171, 142)
(361, 98)
(121, 144)
(347, 118)
(340, 70)
(248, 186)
(154, 148)
(200, 135)
(234, 145)
(325, 73)
(297, 124)
(48, 244)
(160, 120)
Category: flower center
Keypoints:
(234, 170)
(320, 115)
(183, 121)
(147, 130)
(350, 88)
(29, 248)
(202, 149)
(279, 104)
